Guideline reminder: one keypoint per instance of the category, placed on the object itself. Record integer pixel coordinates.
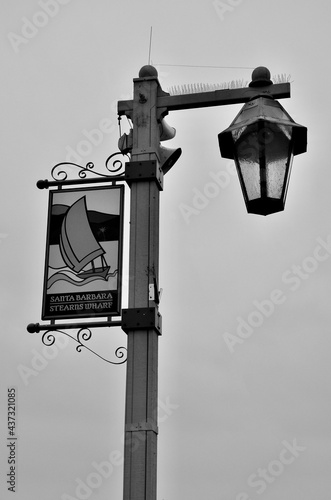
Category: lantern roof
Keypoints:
(263, 108)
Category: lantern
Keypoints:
(262, 140)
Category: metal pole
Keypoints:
(140, 447)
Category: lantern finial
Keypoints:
(260, 77)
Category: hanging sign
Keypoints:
(83, 253)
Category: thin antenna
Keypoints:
(150, 46)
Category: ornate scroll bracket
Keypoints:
(84, 334)
(65, 172)
(113, 167)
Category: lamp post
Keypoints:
(262, 140)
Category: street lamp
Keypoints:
(262, 140)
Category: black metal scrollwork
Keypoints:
(117, 166)
(83, 335)
(113, 168)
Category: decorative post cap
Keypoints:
(260, 77)
(148, 70)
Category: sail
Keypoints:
(77, 242)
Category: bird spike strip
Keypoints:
(194, 88)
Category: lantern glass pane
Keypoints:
(250, 172)
(275, 178)
(247, 147)
(277, 146)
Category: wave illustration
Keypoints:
(73, 279)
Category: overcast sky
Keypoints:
(244, 372)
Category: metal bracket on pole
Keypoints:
(83, 334)
(142, 426)
(147, 170)
(143, 318)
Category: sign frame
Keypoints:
(86, 270)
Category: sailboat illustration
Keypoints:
(78, 245)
